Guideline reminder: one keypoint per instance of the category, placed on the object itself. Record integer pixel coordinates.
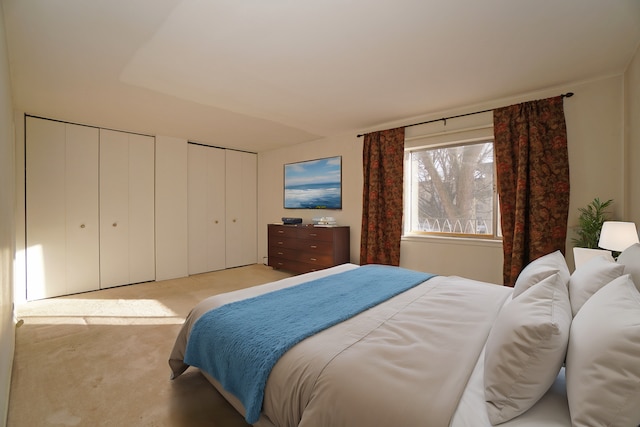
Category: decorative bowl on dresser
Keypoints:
(302, 248)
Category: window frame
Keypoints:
(444, 140)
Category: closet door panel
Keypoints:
(62, 208)
(82, 221)
(206, 202)
(234, 233)
(241, 208)
(216, 233)
(249, 210)
(197, 208)
(142, 265)
(114, 208)
(45, 208)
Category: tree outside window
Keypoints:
(451, 190)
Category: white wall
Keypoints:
(594, 117)
(7, 226)
(632, 139)
(271, 192)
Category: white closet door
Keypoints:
(126, 208)
(61, 208)
(216, 232)
(233, 208)
(241, 208)
(45, 209)
(249, 208)
(142, 263)
(206, 192)
(114, 208)
(83, 227)
(197, 208)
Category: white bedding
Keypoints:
(416, 359)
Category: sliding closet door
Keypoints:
(126, 208)
(81, 179)
(206, 208)
(61, 208)
(241, 208)
(114, 208)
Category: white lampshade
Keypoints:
(617, 235)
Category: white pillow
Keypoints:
(630, 258)
(526, 348)
(603, 358)
(590, 277)
(539, 269)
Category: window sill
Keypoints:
(464, 241)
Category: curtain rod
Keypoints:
(444, 119)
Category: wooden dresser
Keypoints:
(304, 248)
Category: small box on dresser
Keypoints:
(304, 248)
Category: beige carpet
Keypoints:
(100, 358)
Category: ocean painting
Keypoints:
(314, 184)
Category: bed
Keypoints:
(449, 351)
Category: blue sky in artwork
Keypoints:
(319, 171)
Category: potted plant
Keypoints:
(588, 231)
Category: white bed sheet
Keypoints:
(551, 410)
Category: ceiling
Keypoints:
(257, 75)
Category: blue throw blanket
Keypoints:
(239, 343)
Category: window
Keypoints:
(450, 190)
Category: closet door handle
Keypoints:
(115, 224)
(82, 226)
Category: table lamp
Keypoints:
(618, 235)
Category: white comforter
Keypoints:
(404, 362)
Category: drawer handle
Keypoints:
(313, 234)
(280, 231)
(313, 259)
(313, 247)
(280, 263)
(280, 243)
(280, 253)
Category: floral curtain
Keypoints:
(383, 161)
(533, 181)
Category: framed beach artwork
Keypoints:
(313, 184)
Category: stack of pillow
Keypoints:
(589, 320)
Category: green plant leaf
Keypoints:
(590, 223)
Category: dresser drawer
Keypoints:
(283, 252)
(315, 246)
(320, 259)
(276, 231)
(294, 266)
(316, 233)
(315, 253)
(283, 242)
